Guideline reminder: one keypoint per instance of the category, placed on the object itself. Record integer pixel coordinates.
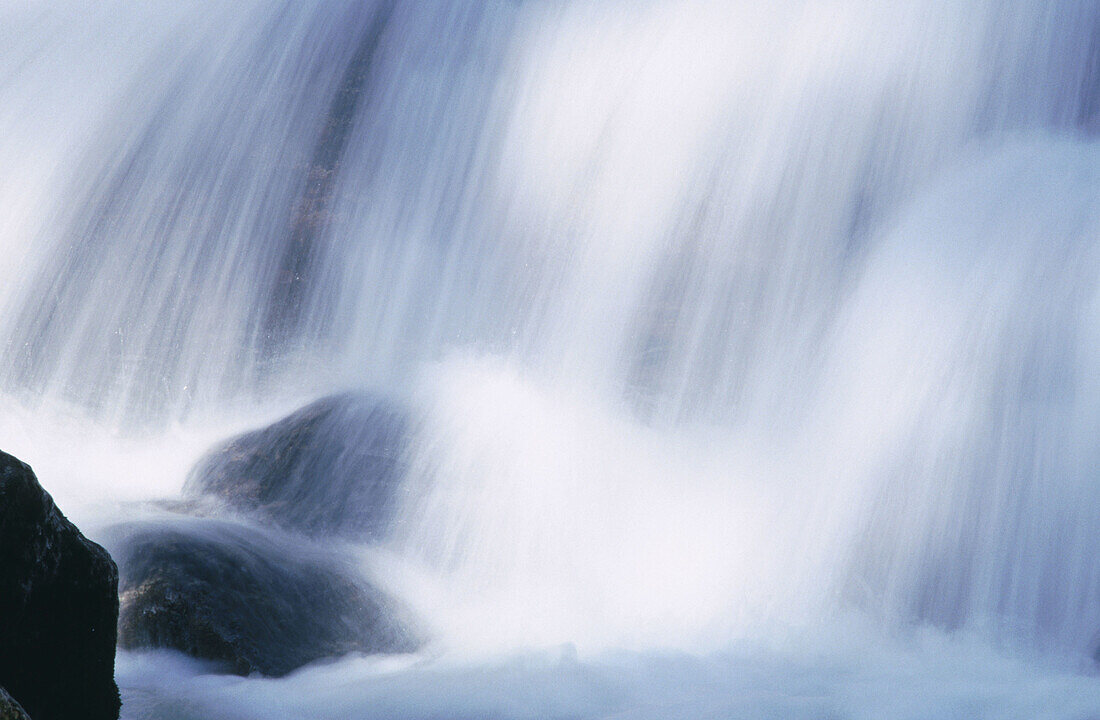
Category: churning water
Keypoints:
(755, 347)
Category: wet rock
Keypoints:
(10, 709)
(334, 466)
(58, 606)
(253, 600)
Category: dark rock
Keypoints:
(10, 709)
(255, 600)
(333, 466)
(58, 606)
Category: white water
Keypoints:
(723, 324)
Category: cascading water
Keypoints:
(719, 322)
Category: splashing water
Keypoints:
(718, 319)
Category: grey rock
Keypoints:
(254, 600)
(332, 467)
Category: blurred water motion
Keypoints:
(716, 315)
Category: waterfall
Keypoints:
(716, 314)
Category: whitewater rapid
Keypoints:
(751, 346)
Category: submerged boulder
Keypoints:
(58, 606)
(334, 466)
(10, 709)
(253, 600)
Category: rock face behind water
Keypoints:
(332, 467)
(253, 600)
(58, 607)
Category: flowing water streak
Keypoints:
(707, 324)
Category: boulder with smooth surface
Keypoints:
(332, 467)
(254, 600)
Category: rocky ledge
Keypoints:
(58, 607)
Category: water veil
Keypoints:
(716, 322)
